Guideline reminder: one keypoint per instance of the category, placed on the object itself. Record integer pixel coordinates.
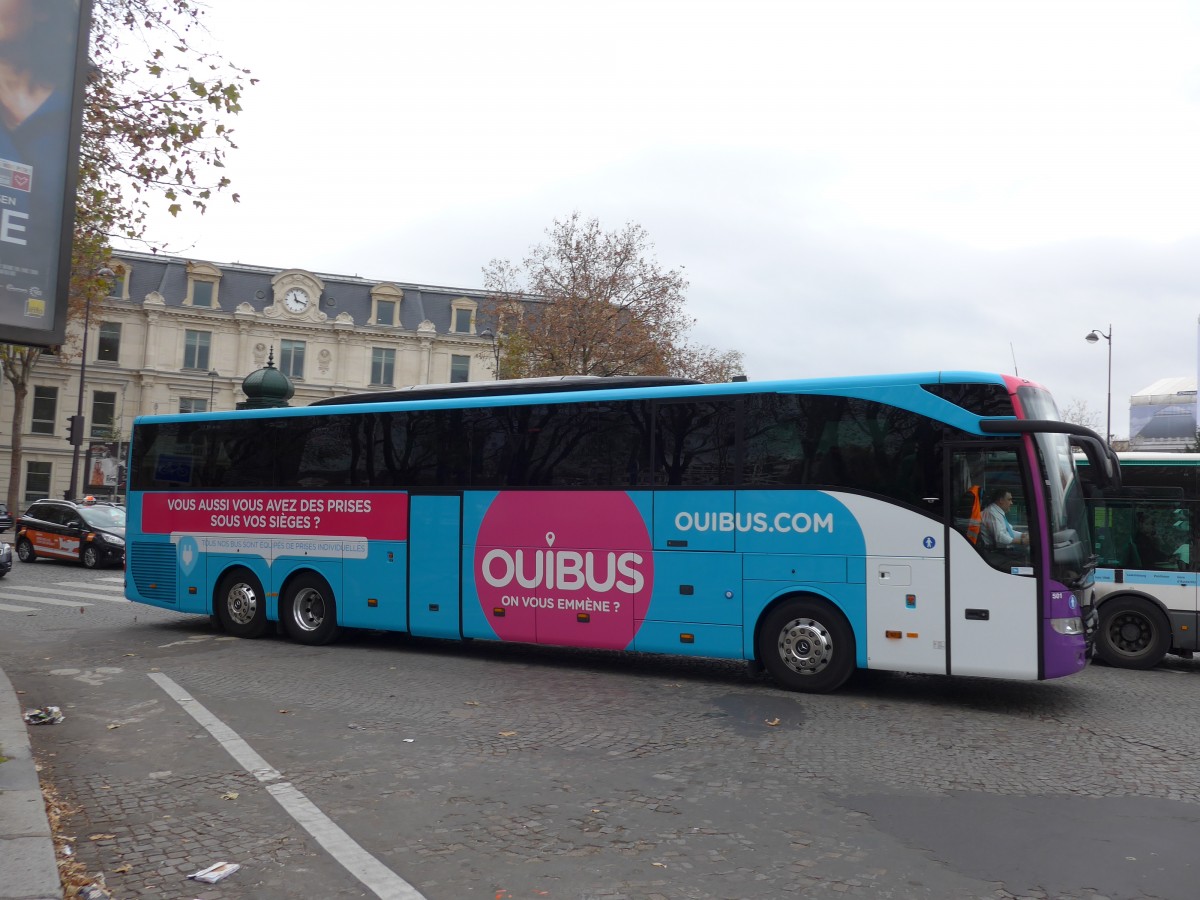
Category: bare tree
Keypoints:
(591, 302)
(1078, 412)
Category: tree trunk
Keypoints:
(18, 363)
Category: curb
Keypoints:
(28, 867)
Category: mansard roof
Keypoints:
(252, 284)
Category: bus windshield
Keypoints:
(1072, 559)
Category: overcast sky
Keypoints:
(851, 186)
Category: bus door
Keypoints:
(434, 565)
(994, 617)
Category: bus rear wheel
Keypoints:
(807, 645)
(241, 604)
(1134, 633)
(310, 611)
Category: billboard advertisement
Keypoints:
(43, 58)
(105, 465)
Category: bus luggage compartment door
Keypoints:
(434, 550)
(906, 609)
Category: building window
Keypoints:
(37, 481)
(463, 320)
(202, 293)
(196, 345)
(385, 305)
(104, 413)
(383, 366)
(193, 404)
(109, 346)
(291, 358)
(204, 281)
(460, 369)
(45, 409)
(119, 286)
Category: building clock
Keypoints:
(296, 300)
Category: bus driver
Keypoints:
(997, 534)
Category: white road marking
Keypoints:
(189, 642)
(4, 607)
(48, 601)
(377, 877)
(117, 589)
(90, 595)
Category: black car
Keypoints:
(6, 521)
(92, 533)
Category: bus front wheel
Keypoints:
(310, 611)
(1134, 633)
(807, 645)
(241, 604)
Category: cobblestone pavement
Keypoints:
(476, 770)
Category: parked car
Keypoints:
(6, 555)
(91, 532)
(6, 520)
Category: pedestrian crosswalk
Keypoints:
(72, 594)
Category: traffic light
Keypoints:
(75, 431)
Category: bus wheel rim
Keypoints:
(1130, 632)
(308, 610)
(242, 604)
(805, 646)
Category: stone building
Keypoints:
(180, 335)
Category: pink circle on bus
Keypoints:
(564, 567)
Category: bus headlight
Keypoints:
(1073, 625)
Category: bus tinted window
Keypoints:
(798, 441)
(594, 444)
(320, 452)
(981, 399)
(579, 444)
(694, 443)
(1160, 475)
(226, 454)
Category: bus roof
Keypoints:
(466, 389)
(907, 390)
(1158, 457)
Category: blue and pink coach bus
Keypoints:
(809, 527)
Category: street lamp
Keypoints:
(213, 375)
(78, 437)
(1093, 337)
(488, 333)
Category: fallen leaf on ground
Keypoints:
(772, 722)
(232, 795)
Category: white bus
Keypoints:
(1145, 541)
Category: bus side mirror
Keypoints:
(1101, 458)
